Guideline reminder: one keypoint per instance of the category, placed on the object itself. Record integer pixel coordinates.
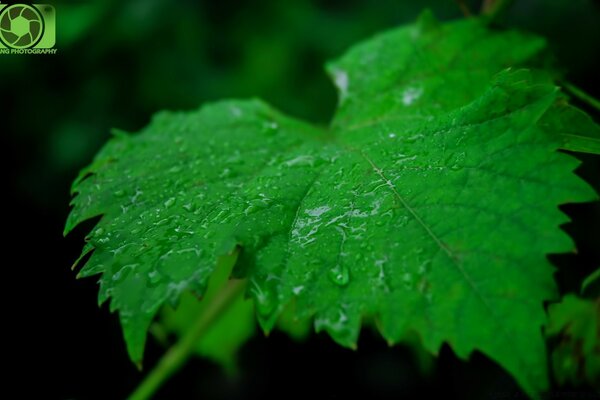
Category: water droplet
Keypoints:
(170, 202)
(122, 273)
(402, 221)
(99, 232)
(298, 289)
(154, 277)
(408, 280)
(410, 95)
(340, 275)
(301, 160)
(265, 304)
(342, 82)
(226, 173)
(257, 205)
(270, 128)
(414, 138)
(137, 194)
(119, 193)
(265, 299)
(423, 267)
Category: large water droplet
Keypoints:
(340, 275)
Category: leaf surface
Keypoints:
(429, 204)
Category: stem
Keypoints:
(177, 355)
(492, 8)
(581, 95)
(464, 8)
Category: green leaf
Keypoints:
(429, 205)
(576, 358)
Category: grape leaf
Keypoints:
(429, 204)
(576, 322)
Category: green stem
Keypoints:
(581, 95)
(177, 355)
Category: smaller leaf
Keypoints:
(576, 358)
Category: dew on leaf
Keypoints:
(410, 95)
(342, 82)
(169, 202)
(302, 160)
(317, 212)
(122, 273)
(298, 289)
(154, 277)
(340, 275)
(265, 299)
(270, 127)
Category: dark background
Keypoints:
(118, 62)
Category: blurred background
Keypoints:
(118, 62)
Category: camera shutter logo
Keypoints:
(24, 26)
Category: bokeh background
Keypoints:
(118, 62)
